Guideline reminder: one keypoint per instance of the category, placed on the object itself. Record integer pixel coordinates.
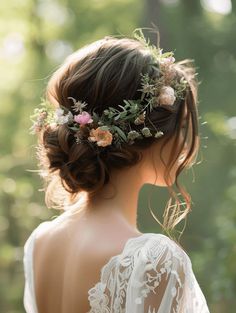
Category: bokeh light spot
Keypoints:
(217, 6)
(9, 185)
(13, 47)
(57, 50)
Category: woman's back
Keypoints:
(73, 271)
(68, 258)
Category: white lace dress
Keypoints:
(151, 275)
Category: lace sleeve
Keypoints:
(167, 283)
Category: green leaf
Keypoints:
(117, 117)
(134, 109)
(120, 132)
(74, 128)
(113, 110)
(104, 127)
(167, 54)
(123, 108)
(123, 114)
(127, 102)
(95, 115)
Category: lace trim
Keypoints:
(97, 295)
(139, 270)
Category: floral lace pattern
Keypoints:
(152, 275)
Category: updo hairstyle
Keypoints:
(103, 74)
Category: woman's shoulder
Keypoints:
(155, 248)
(43, 227)
(160, 242)
(46, 227)
(158, 254)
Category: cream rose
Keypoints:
(167, 95)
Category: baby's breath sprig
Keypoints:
(41, 116)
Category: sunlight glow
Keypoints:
(57, 50)
(217, 6)
(231, 122)
(52, 12)
(13, 46)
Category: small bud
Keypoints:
(159, 134)
(146, 132)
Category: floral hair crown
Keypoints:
(118, 125)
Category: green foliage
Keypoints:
(36, 36)
(211, 232)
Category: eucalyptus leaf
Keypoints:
(95, 115)
(104, 127)
(117, 117)
(127, 102)
(123, 108)
(123, 114)
(133, 109)
(74, 128)
(120, 132)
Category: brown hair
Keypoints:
(103, 74)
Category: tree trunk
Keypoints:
(152, 18)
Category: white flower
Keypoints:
(167, 95)
(59, 112)
(62, 119)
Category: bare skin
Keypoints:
(68, 256)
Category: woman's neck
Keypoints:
(119, 198)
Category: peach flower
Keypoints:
(83, 118)
(103, 137)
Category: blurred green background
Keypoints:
(36, 36)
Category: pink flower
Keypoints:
(171, 59)
(83, 118)
(167, 61)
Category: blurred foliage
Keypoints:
(36, 36)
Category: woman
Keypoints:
(118, 114)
